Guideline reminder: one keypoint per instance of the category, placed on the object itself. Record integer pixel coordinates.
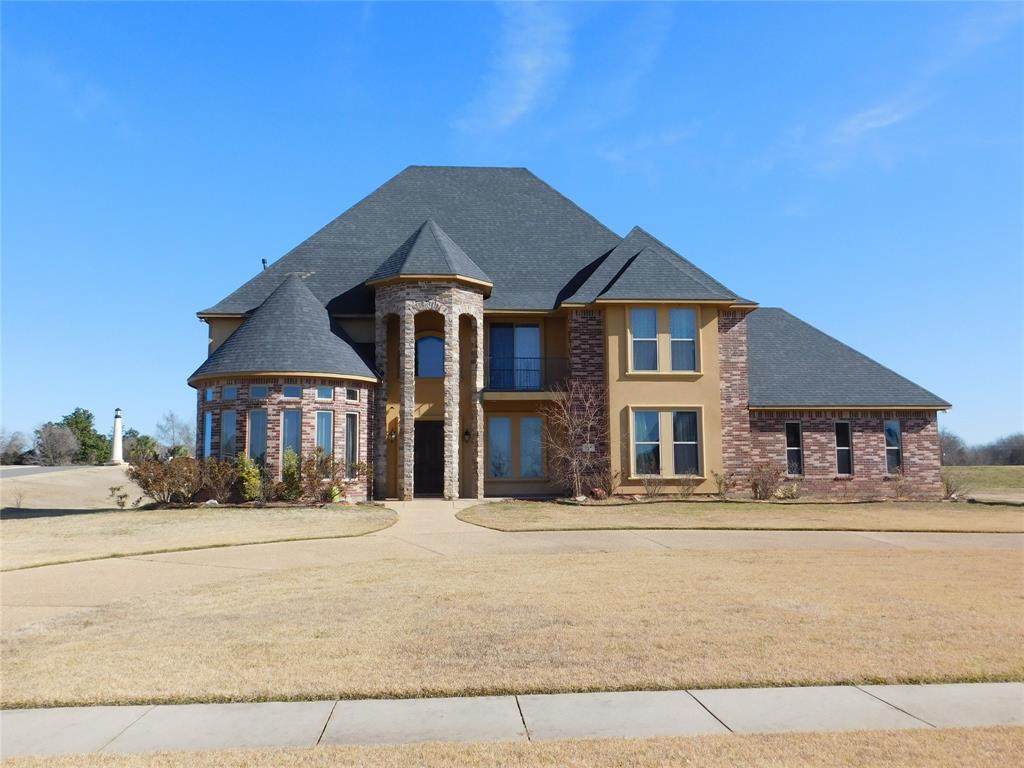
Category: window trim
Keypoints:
(207, 434)
(898, 448)
(351, 399)
(285, 412)
(631, 367)
(800, 447)
(358, 434)
(316, 429)
(264, 396)
(665, 411)
(633, 443)
(224, 392)
(664, 339)
(291, 397)
(324, 399)
(835, 442)
(696, 339)
(210, 395)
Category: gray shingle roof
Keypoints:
(289, 332)
(429, 251)
(529, 239)
(642, 267)
(792, 363)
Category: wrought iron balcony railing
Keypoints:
(524, 374)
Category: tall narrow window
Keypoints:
(531, 454)
(685, 449)
(499, 446)
(647, 442)
(430, 357)
(794, 449)
(844, 448)
(207, 434)
(893, 447)
(227, 434)
(351, 444)
(258, 436)
(644, 327)
(325, 432)
(291, 431)
(682, 325)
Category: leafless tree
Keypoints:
(575, 431)
(12, 445)
(174, 433)
(55, 444)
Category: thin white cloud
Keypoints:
(855, 127)
(625, 153)
(533, 54)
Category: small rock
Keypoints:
(211, 503)
(579, 498)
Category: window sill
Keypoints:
(668, 478)
(665, 374)
(518, 479)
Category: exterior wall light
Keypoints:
(467, 436)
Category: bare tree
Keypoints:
(952, 448)
(55, 444)
(575, 431)
(12, 445)
(176, 434)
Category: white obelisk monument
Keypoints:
(116, 449)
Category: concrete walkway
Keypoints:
(508, 718)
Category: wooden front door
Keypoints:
(428, 455)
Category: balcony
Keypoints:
(524, 374)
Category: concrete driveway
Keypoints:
(426, 529)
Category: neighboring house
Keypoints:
(425, 328)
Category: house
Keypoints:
(424, 330)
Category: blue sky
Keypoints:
(860, 165)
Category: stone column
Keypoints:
(407, 401)
(452, 426)
(478, 405)
(380, 440)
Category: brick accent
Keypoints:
(734, 387)
(587, 359)
(921, 458)
(451, 300)
(275, 404)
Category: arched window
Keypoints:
(430, 357)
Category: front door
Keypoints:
(428, 454)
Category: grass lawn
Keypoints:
(880, 516)
(953, 748)
(85, 536)
(990, 482)
(539, 623)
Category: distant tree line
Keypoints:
(1005, 450)
(75, 440)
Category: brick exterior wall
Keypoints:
(921, 458)
(275, 404)
(451, 300)
(587, 360)
(735, 393)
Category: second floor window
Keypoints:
(644, 329)
(682, 325)
(429, 357)
(514, 356)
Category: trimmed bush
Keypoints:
(765, 480)
(250, 479)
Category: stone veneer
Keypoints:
(732, 373)
(920, 437)
(275, 404)
(451, 300)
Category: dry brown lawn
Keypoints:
(27, 542)
(539, 623)
(990, 483)
(952, 748)
(881, 516)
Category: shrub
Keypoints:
(953, 487)
(686, 489)
(173, 482)
(653, 484)
(118, 495)
(724, 483)
(250, 479)
(765, 479)
(291, 477)
(788, 491)
(320, 477)
(899, 484)
(218, 478)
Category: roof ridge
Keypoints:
(435, 230)
(575, 205)
(715, 285)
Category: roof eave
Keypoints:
(199, 377)
(850, 407)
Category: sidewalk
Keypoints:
(508, 718)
